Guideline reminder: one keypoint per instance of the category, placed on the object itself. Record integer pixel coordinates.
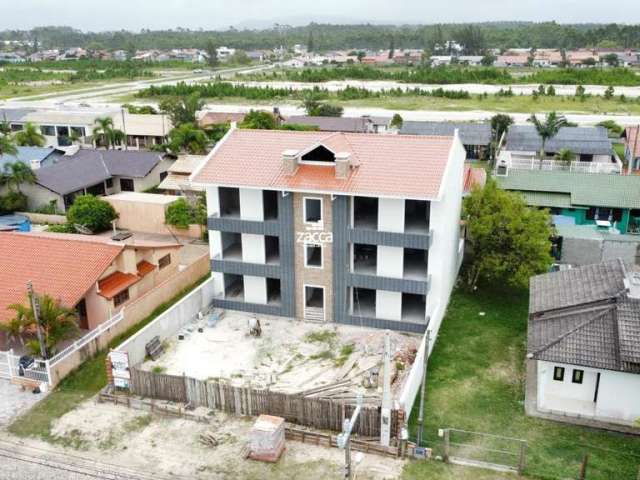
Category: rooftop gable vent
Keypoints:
(320, 154)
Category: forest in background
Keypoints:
(474, 37)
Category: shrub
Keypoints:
(91, 212)
(13, 202)
(180, 214)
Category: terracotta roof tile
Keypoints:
(145, 268)
(115, 283)
(62, 266)
(389, 165)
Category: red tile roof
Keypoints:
(633, 140)
(388, 165)
(213, 118)
(115, 283)
(145, 268)
(62, 266)
(474, 176)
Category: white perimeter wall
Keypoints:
(444, 262)
(618, 393)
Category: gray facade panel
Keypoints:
(340, 252)
(384, 324)
(391, 239)
(245, 268)
(287, 254)
(390, 284)
(248, 307)
(236, 225)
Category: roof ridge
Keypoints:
(584, 324)
(59, 237)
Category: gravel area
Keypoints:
(21, 470)
(14, 401)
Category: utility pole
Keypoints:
(35, 307)
(385, 413)
(423, 387)
(344, 439)
(124, 128)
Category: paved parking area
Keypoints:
(14, 401)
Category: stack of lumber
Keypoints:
(266, 439)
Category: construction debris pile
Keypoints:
(335, 362)
(266, 439)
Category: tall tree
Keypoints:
(392, 46)
(58, 323)
(7, 145)
(30, 136)
(500, 123)
(547, 129)
(310, 42)
(17, 173)
(508, 241)
(105, 134)
(188, 138)
(212, 53)
(182, 109)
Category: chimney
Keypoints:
(36, 164)
(343, 164)
(290, 161)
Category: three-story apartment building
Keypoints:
(358, 229)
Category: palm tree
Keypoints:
(58, 323)
(105, 134)
(30, 136)
(547, 129)
(7, 145)
(565, 156)
(187, 137)
(17, 173)
(5, 128)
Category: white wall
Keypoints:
(618, 398)
(255, 289)
(251, 207)
(445, 225)
(388, 305)
(253, 248)
(390, 261)
(213, 200)
(391, 215)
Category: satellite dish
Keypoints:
(82, 229)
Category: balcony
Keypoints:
(363, 312)
(529, 162)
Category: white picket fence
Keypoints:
(40, 371)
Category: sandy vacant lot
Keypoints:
(121, 436)
(291, 356)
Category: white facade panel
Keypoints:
(213, 201)
(253, 248)
(388, 305)
(255, 289)
(390, 261)
(251, 204)
(619, 396)
(391, 215)
(215, 243)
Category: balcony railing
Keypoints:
(533, 163)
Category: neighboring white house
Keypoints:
(583, 361)
(225, 52)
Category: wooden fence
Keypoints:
(323, 414)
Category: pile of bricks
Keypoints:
(266, 439)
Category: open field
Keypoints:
(476, 382)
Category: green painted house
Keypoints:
(609, 201)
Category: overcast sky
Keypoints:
(96, 15)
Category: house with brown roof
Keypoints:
(352, 228)
(583, 346)
(91, 274)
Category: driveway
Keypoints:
(14, 401)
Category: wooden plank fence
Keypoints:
(319, 413)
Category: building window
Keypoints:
(78, 131)
(126, 184)
(164, 261)
(558, 374)
(16, 127)
(313, 256)
(120, 298)
(48, 130)
(578, 375)
(312, 210)
(109, 182)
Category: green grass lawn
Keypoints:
(476, 383)
(82, 384)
